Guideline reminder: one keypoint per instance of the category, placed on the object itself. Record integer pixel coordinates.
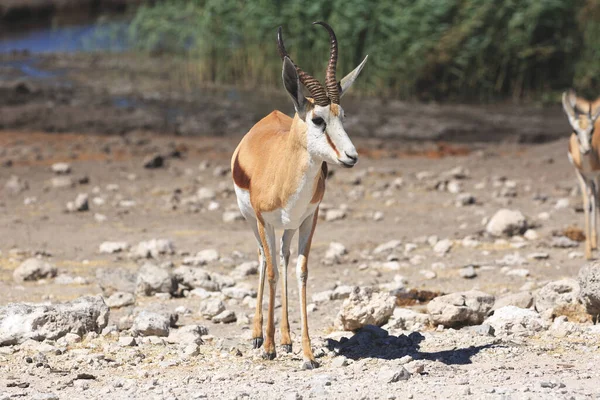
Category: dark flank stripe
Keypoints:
(240, 178)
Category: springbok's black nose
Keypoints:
(353, 158)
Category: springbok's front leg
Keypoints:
(286, 240)
(267, 237)
(585, 193)
(304, 241)
(257, 333)
(594, 204)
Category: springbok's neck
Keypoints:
(298, 143)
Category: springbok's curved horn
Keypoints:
(316, 90)
(330, 80)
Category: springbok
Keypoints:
(279, 170)
(584, 154)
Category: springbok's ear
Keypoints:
(292, 86)
(349, 79)
(569, 100)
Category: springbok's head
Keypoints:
(582, 117)
(322, 113)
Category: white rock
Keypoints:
(461, 308)
(81, 203)
(151, 324)
(152, 279)
(246, 269)
(557, 294)
(113, 247)
(515, 320)
(531, 234)
(335, 215)
(387, 246)
(34, 269)
(120, 299)
(206, 194)
(61, 168)
(224, 317)
(322, 297)
(443, 246)
(211, 308)
(562, 203)
(506, 223)
(365, 307)
(341, 292)
(232, 216)
(20, 321)
(335, 251)
(521, 272)
(153, 248)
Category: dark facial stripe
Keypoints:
(337, 153)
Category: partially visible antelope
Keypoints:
(584, 154)
(279, 171)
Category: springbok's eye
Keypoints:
(318, 121)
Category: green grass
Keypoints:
(474, 50)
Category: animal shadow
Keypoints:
(374, 342)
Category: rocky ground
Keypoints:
(437, 271)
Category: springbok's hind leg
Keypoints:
(284, 255)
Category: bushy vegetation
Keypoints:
(476, 50)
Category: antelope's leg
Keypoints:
(286, 239)
(586, 209)
(267, 236)
(257, 333)
(594, 205)
(307, 230)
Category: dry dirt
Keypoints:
(457, 363)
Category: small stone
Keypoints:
(211, 308)
(154, 161)
(339, 362)
(394, 375)
(335, 251)
(467, 272)
(113, 247)
(62, 182)
(232, 216)
(443, 246)
(460, 309)
(127, 341)
(557, 294)
(224, 317)
(507, 223)
(120, 299)
(563, 242)
(531, 234)
(152, 279)
(61, 168)
(334, 215)
(151, 324)
(34, 269)
(387, 246)
(16, 185)
(365, 307)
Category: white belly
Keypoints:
(297, 209)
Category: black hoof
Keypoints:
(310, 364)
(257, 342)
(287, 348)
(269, 356)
